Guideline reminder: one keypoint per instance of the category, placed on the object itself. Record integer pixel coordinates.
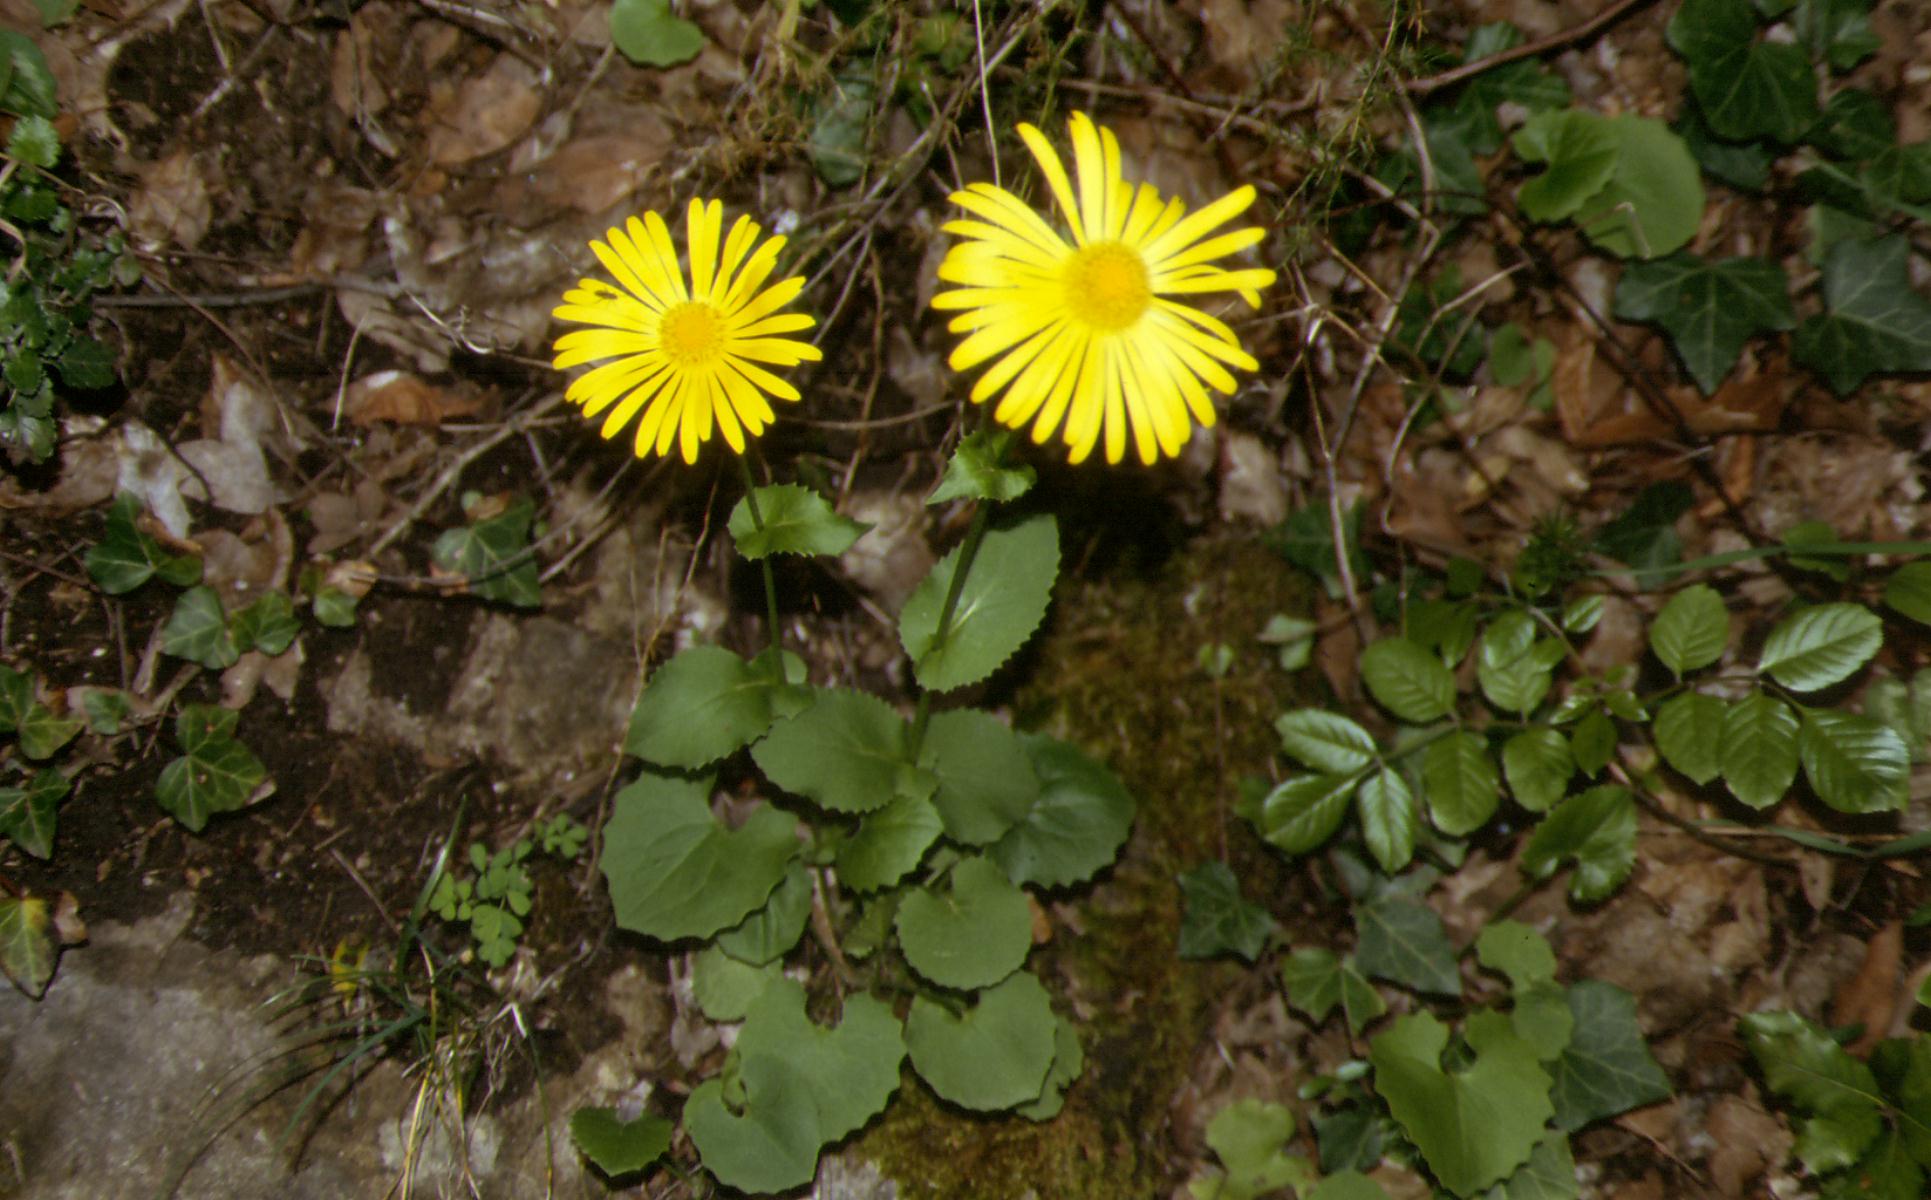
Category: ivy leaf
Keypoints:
(702, 705)
(1458, 778)
(1856, 764)
(675, 872)
(1821, 645)
(846, 751)
(1216, 919)
(991, 1056)
(1250, 1138)
(1691, 631)
(1075, 827)
(1689, 732)
(27, 813)
(1747, 88)
(1596, 830)
(1873, 321)
(42, 733)
(215, 773)
(1550, 1174)
(267, 625)
(796, 520)
(197, 630)
(1302, 813)
(1607, 1068)
(1002, 602)
(1709, 309)
(842, 127)
(493, 556)
(985, 777)
(770, 932)
(1759, 749)
(889, 844)
(1513, 667)
(1408, 681)
(1390, 819)
(1316, 981)
(1908, 591)
(1474, 1127)
(974, 935)
(1805, 1065)
(1743, 165)
(27, 947)
(1402, 940)
(647, 34)
(1644, 536)
(976, 471)
(1325, 741)
(1837, 31)
(616, 1146)
(1538, 765)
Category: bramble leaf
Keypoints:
(1459, 782)
(1689, 732)
(1325, 741)
(1538, 765)
(1408, 681)
(1759, 749)
(1691, 631)
(1821, 645)
(1390, 819)
(1856, 764)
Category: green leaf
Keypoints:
(1306, 539)
(1550, 1174)
(126, 558)
(974, 935)
(197, 630)
(1628, 182)
(841, 133)
(27, 813)
(1006, 590)
(1743, 165)
(889, 844)
(796, 520)
(1837, 31)
(30, 84)
(1390, 819)
(1068, 1061)
(617, 1146)
(1873, 321)
(86, 365)
(1759, 752)
(1596, 830)
(34, 141)
(1347, 1185)
(267, 625)
(1538, 766)
(1607, 1068)
(1316, 981)
(1821, 645)
(1580, 151)
(770, 932)
(977, 471)
(1302, 813)
(1593, 741)
(1408, 681)
(646, 33)
(798, 1087)
(1908, 591)
(724, 987)
(1837, 1093)
(1514, 666)
(986, 780)
(1474, 1127)
(1459, 782)
(1250, 1138)
(27, 947)
(990, 1056)
(493, 556)
(1077, 825)
(1325, 741)
(1402, 940)
(702, 705)
(215, 773)
(1216, 919)
(1692, 630)
(1644, 537)
(675, 872)
(16, 698)
(1689, 732)
(42, 733)
(334, 607)
(1709, 309)
(846, 751)
(1517, 951)
(1747, 88)
(1856, 764)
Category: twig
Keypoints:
(455, 469)
(1535, 49)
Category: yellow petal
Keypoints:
(701, 224)
(1199, 223)
(1049, 165)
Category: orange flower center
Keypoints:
(1106, 286)
(692, 334)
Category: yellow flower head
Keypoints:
(1086, 333)
(683, 355)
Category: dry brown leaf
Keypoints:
(486, 114)
(1598, 406)
(1251, 484)
(404, 399)
(592, 174)
(1869, 997)
(340, 519)
(1747, 1141)
(1817, 875)
(171, 204)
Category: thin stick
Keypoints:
(1535, 49)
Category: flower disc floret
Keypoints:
(1084, 336)
(681, 352)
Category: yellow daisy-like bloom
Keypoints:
(1086, 333)
(684, 356)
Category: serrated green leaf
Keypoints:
(646, 33)
(986, 780)
(846, 751)
(1708, 309)
(795, 520)
(1459, 782)
(1302, 813)
(1069, 1059)
(1747, 88)
(1402, 940)
(1517, 951)
(29, 87)
(1759, 752)
(1689, 732)
(1596, 830)
(977, 471)
(1856, 764)
(675, 872)
(1347, 1185)
(1692, 630)
(990, 1056)
(1908, 591)
(1325, 741)
(86, 365)
(27, 813)
(1390, 819)
(617, 1146)
(34, 141)
(1873, 321)
(1216, 919)
(974, 935)
(493, 556)
(770, 932)
(702, 705)
(1006, 590)
(1821, 645)
(1836, 1092)
(1474, 1127)
(724, 987)
(27, 949)
(1538, 766)
(215, 773)
(889, 844)
(197, 630)
(1607, 1068)
(267, 625)
(1512, 673)
(1628, 182)
(1408, 681)
(1075, 827)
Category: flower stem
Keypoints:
(770, 580)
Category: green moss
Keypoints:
(1117, 674)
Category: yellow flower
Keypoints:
(684, 356)
(1086, 333)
